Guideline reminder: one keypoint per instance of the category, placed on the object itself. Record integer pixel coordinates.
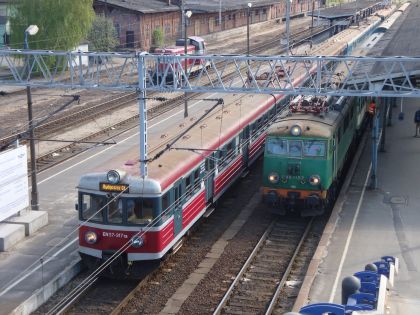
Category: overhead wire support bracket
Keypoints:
(391, 76)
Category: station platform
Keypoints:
(367, 224)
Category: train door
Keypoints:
(177, 207)
(334, 147)
(245, 145)
(209, 176)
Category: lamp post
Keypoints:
(249, 6)
(188, 15)
(31, 30)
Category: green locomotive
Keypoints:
(306, 150)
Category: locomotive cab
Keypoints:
(295, 171)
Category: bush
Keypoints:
(157, 37)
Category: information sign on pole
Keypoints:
(14, 195)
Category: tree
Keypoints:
(62, 23)
(103, 35)
(157, 37)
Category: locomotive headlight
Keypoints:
(314, 180)
(113, 177)
(137, 241)
(91, 237)
(295, 131)
(273, 177)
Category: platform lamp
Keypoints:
(31, 30)
(187, 15)
(248, 14)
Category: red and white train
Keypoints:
(196, 46)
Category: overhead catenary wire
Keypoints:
(24, 134)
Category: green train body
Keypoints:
(305, 153)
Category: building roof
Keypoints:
(345, 9)
(142, 6)
(157, 6)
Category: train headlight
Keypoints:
(113, 177)
(137, 241)
(273, 177)
(295, 131)
(284, 179)
(91, 237)
(314, 180)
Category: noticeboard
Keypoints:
(14, 195)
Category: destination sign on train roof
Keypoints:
(113, 187)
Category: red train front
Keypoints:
(124, 212)
(195, 47)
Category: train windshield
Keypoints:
(92, 207)
(296, 148)
(314, 148)
(276, 146)
(99, 208)
(140, 211)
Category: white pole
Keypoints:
(287, 25)
(142, 116)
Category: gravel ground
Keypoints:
(152, 298)
(209, 291)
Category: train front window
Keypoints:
(140, 211)
(295, 148)
(314, 148)
(115, 208)
(92, 207)
(276, 146)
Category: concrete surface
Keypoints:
(10, 234)
(31, 220)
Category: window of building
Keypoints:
(129, 39)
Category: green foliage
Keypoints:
(103, 35)
(62, 23)
(157, 37)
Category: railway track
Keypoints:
(256, 287)
(102, 296)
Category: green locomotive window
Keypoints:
(314, 148)
(295, 148)
(276, 146)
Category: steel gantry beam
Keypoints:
(363, 76)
